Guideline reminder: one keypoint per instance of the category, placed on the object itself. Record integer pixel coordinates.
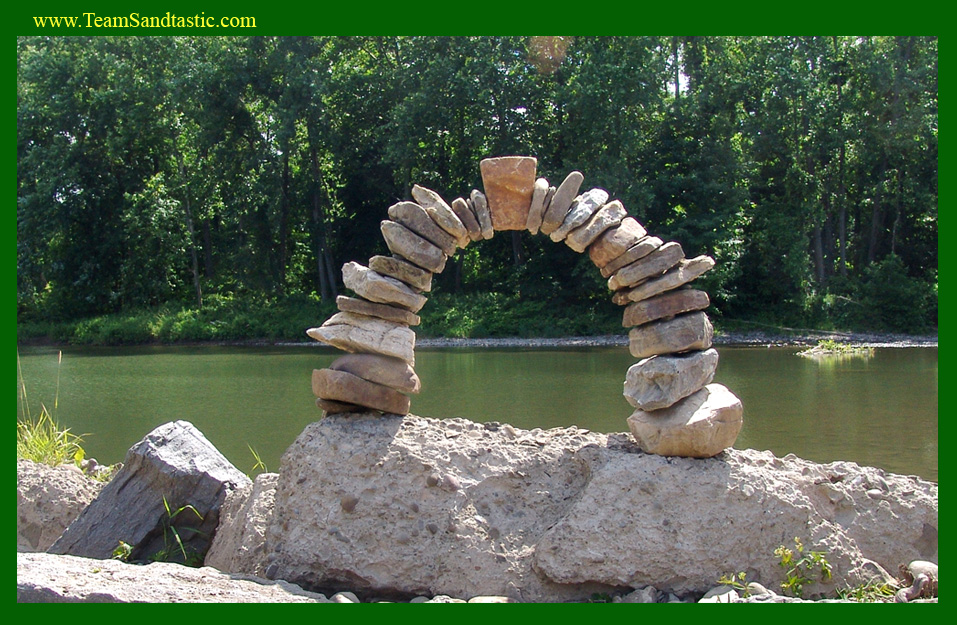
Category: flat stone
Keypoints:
(346, 388)
(683, 333)
(480, 206)
(410, 246)
(537, 209)
(558, 207)
(699, 426)
(464, 212)
(329, 406)
(608, 216)
(391, 372)
(367, 335)
(683, 273)
(416, 219)
(616, 241)
(441, 213)
(584, 206)
(646, 245)
(372, 309)
(661, 381)
(375, 287)
(663, 306)
(403, 271)
(654, 264)
(508, 182)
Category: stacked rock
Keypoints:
(679, 412)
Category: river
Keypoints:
(878, 411)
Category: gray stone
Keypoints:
(558, 207)
(616, 241)
(346, 388)
(403, 271)
(720, 594)
(175, 465)
(701, 425)
(383, 370)
(660, 381)
(684, 333)
(48, 500)
(240, 540)
(581, 210)
(508, 182)
(417, 219)
(441, 213)
(480, 205)
(48, 578)
(408, 245)
(375, 287)
(644, 246)
(372, 309)
(663, 306)
(356, 333)
(683, 273)
(537, 209)
(608, 216)
(654, 264)
(648, 594)
(466, 215)
(344, 597)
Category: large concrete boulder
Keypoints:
(240, 541)
(416, 506)
(48, 500)
(173, 467)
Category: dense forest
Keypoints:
(179, 188)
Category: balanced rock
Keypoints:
(329, 406)
(347, 388)
(372, 309)
(352, 332)
(699, 426)
(378, 288)
(616, 241)
(661, 381)
(509, 182)
(466, 215)
(663, 306)
(608, 216)
(441, 213)
(654, 264)
(683, 273)
(581, 210)
(558, 207)
(403, 271)
(683, 333)
(480, 206)
(646, 245)
(410, 246)
(48, 500)
(537, 209)
(417, 219)
(391, 372)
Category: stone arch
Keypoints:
(678, 411)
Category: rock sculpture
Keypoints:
(679, 411)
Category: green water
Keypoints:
(880, 411)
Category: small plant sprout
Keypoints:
(801, 568)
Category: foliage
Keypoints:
(174, 549)
(259, 466)
(41, 438)
(738, 581)
(122, 552)
(801, 569)
(873, 592)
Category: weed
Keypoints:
(260, 466)
(872, 592)
(738, 581)
(40, 438)
(801, 568)
(123, 552)
(172, 542)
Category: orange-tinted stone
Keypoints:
(509, 182)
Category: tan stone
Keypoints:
(441, 213)
(508, 182)
(391, 372)
(654, 264)
(663, 306)
(537, 209)
(683, 333)
(416, 219)
(410, 246)
(362, 334)
(372, 309)
(642, 248)
(661, 381)
(480, 206)
(683, 273)
(464, 212)
(403, 271)
(616, 241)
(339, 386)
(608, 216)
(558, 207)
(375, 287)
(699, 426)
(584, 206)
